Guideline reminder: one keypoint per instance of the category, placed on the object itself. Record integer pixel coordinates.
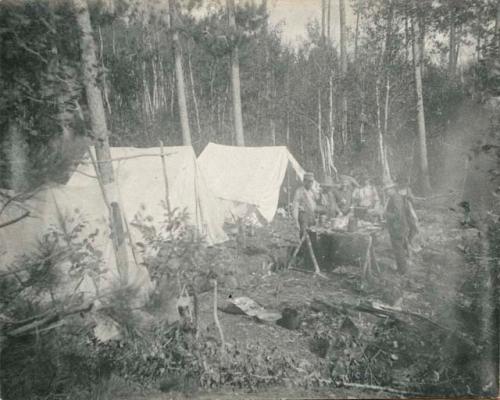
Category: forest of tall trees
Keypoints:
(194, 72)
(405, 93)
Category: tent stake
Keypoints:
(165, 178)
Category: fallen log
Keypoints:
(46, 320)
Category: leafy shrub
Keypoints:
(170, 244)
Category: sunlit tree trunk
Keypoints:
(235, 81)
(193, 93)
(320, 134)
(179, 75)
(343, 69)
(452, 42)
(356, 34)
(323, 20)
(424, 166)
(329, 21)
(386, 173)
(100, 134)
(269, 84)
(497, 28)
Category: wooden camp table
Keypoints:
(333, 247)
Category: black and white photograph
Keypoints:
(249, 199)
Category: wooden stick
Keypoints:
(98, 176)
(127, 158)
(296, 251)
(165, 177)
(381, 388)
(367, 263)
(13, 221)
(216, 317)
(317, 271)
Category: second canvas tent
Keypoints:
(248, 180)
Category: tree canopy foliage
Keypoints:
(298, 89)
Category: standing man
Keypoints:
(328, 199)
(366, 200)
(305, 204)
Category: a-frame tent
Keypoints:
(248, 179)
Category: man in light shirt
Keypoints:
(367, 200)
(305, 204)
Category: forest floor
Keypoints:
(426, 343)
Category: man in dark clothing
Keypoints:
(328, 199)
(398, 226)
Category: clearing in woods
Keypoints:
(414, 333)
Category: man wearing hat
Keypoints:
(305, 204)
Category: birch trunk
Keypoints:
(320, 139)
(329, 21)
(386, 173)
(235, 81)
(195, 100)
(100, 135)
(179, 75)
(424, 166)
(497, 28)
(323, 20)
(452, 44)
(343, 69)
(356, 35)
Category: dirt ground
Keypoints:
(398, 351)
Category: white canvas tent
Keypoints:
(247, 178)
(141, 187)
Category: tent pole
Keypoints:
(196, 201)
(125, 220)
(165, 178)
(115, 229)
(98, 176)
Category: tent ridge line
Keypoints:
(128, 157)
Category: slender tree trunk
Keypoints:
(331, 127)
(386, 173)
(193, 93)
(269, 84)
(105, 88)
(497, 28)
(343, 69)
(343, 38)
(424, 166)
(179, 74)
(386, 106)
(323, 20)
(356, 35)
(452, 43)
(100, 134)
(478, 45)
(421, 45)
(17, 156)
(320, 134)
(407, 35)
(329, 21)
(235, 81)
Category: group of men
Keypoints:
(347, 198)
